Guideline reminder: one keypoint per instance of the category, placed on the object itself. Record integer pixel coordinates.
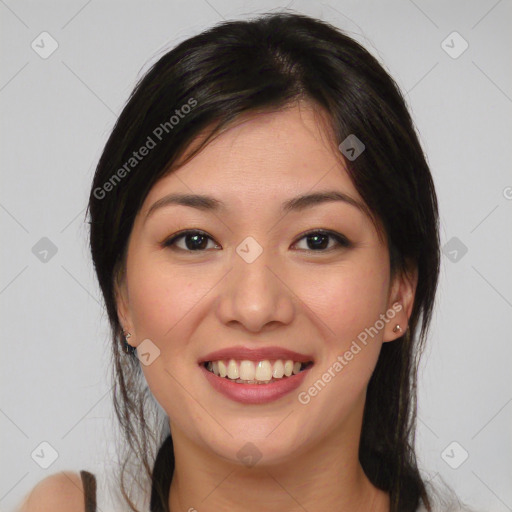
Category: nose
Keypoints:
(255, 295)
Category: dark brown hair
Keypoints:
(266, 64)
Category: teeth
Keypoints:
(278, 370)
(263, 371)
(248, 372)
(223, 371)
(233, 372)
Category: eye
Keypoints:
(195, 240)
(318, 241)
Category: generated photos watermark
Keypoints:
(157, 135)
(343, 360)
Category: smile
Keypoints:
(255, 375)
(256, 372)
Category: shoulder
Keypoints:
(60, 492)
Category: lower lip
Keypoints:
(255, 393)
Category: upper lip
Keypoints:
(256, 354)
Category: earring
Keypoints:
(397, 328)
(127, 348)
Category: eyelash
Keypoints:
(341, 240)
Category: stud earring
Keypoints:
(397, 328)
(127, 348)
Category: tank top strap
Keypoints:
(98, 492)
(89, 484)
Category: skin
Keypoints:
(314, 302)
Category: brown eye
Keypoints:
(318, 241)
(194, 240)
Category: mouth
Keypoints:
(255, 376)
(256, 372)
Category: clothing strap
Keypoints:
(89, 483)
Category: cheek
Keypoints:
(162, 304)
(347, 298)
(160, 299)
(348, 302)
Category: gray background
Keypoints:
(56, 114)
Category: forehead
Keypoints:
(262, 158)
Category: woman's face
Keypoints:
(253, 280)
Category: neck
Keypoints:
(321, 478)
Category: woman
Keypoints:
(264, 230)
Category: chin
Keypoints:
(250, 448)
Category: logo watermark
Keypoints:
(157, 135)
(343, 360)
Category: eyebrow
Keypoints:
(299, 203)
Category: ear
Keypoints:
(400, 302)
(122, 303)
